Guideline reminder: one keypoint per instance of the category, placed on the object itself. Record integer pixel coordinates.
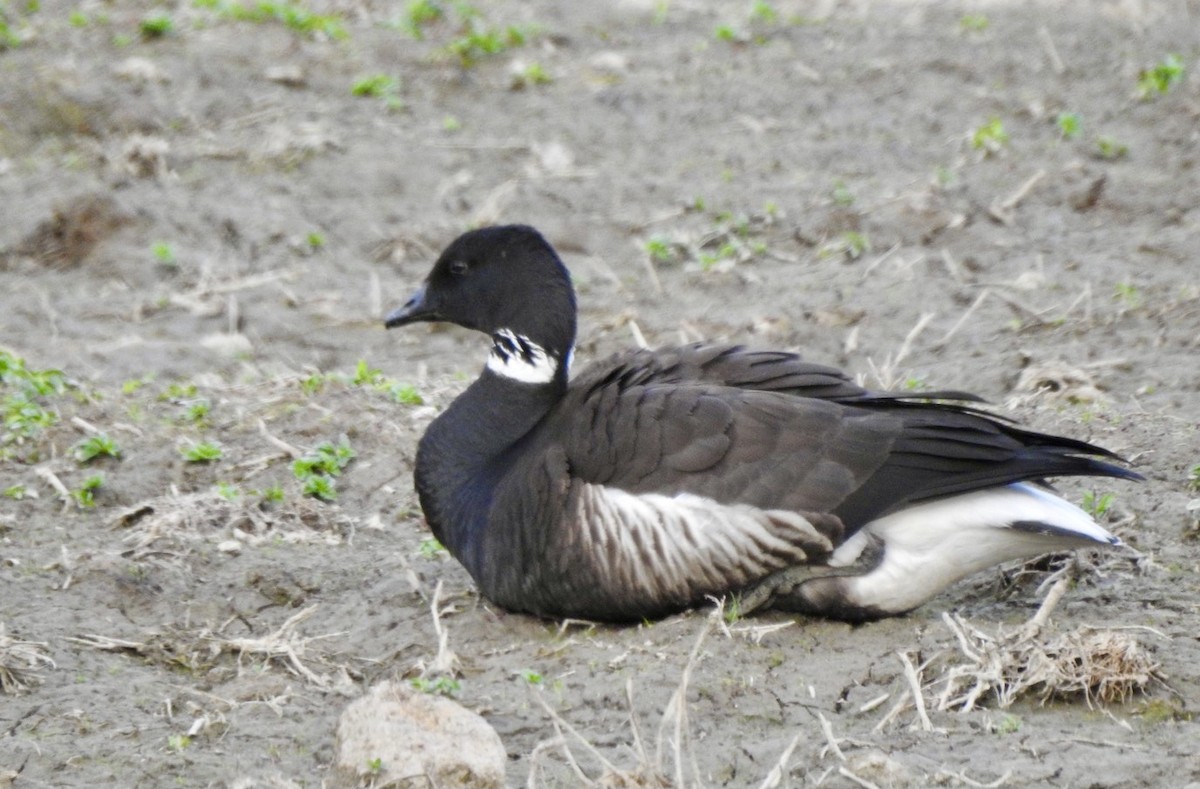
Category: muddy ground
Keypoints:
(203, 224)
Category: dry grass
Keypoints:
(1099, 664)
(20, 661)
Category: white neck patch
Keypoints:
(516, 357)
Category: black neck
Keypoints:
(462, 455)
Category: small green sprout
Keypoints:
(197, 410)
(163, 252)
(441, 686)
(451, 124)
(156, 26)
(1108, 148)
(17, 492)
(990, 137)
(659, 250)
(202, 452)
(178, 742)
(532, 74)
(531, 676)
(85, 494)
(1069, 124)
(842, 196)
(316, 470)
(228, 491)
(1161, 78)
(78, 19)
(764, 12)
(974, 23)
(431, 548)
(315, 240)
(421, 14)
(95, 446)
(375, 766)
(850, 244)
(272, 494)
(1097, 505)
(1128, 293)
(725, 33)
(1009, 724)
(1193, 479)
(374, 85)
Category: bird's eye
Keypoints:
(458, 268)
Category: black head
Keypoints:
(496, 278)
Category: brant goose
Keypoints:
(655, 479)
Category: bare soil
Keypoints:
(211, 216)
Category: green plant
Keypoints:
(1108, 148)
(78, 19)
(726, 33)
(478, 39)
(431, 548)
(156, 26)
(442, 686)
(85, 494)
(272, 494)
(316, 470)
(1009, 724)
(850, 244)
(1128, 293)
(1069, 124)
(292, 15)
(95, 446)
(421, 14)
(975, 23)
(315, 240)
(178, 742)
(1097, 505)
(375, 766)
(660, 249)
(842, 196)
(1193, 480)
(228, 491)
(764, 12)
(990, 137)
(201, 452)
(531, 676)
(17, 492)
(25, 392)
(1160, 78)
(531, 74)
(197, 411)
(373, 85)
(163, 252)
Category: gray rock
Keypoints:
(399, 737)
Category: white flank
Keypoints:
(677, 547)
(929, 546)
(518, 358)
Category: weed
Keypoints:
(451, 123)
(17, 492)
(315, 240)
(156, 26)
(850, 244)
(726, 33)
(375, 766)
(375, 85)
(24, 389)
(974, 23)
(478, 39)
(660, 250)
(228, 491)
(764, 12)
(531, 74)
(273, 494)
(178, 742)
(419, 15)
(85, 494)
(197, 411)
(990, 137)
(1128, 294)
(1193, 480)
(1097, 506)
(842, 196)
(95, 446)
(316, 470)
(1009, 724)
(1069, 125)
(202, 452)
(1161, 78)
(77, 19)
(441, 686)
(431, 548)
(163, 252)
(1108, 148)
(531, 676)
(178, 392)
(291, 15)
